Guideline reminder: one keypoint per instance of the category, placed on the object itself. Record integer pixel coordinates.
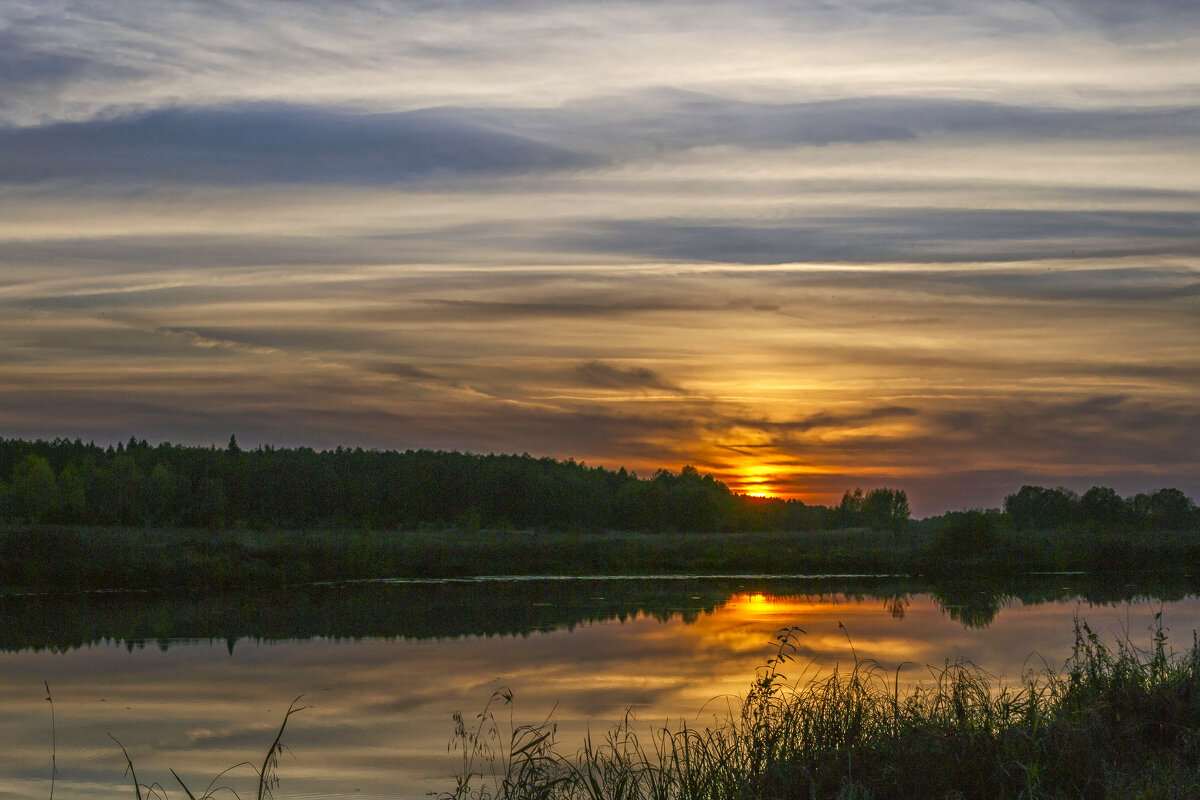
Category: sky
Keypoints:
(941, 246)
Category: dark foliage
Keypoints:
(1100, 508)
(173, 486)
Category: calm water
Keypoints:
(200, 684)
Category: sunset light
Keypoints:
(485, 374)
(755, 481)
(929, 252)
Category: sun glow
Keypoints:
(756, 480)
(757, 605)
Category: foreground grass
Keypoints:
(1119, 722)
(73, 559)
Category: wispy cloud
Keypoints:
(599, 375)
(945, 246)
(268, 145)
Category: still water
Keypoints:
(198, 684)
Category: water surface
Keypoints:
(198, 684)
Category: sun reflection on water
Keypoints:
(383, 706)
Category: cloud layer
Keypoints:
(942, 247)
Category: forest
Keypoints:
(136, 484)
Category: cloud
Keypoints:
(400, 369)
(1116, 16)
(651, 120)
(828, 420)
(935, 235)
(32, 73)
(402, 55)
(269, 144)
(628, 233)
(262, 143)
(599, 375)
(597, 300)
(1052, 283)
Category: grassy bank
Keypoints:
(1117, 722)
(71, 559)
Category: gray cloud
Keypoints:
(1099, 431)
(244, 145)
(565, 213)
(399, 369)
(1117, 16)
(650, 120)
(935, 236)
(1114, 284)
(596, 301)
(32, 73)
(165, 253)
(930, 235)
(269, 144)
(827, 420)
(600, 375)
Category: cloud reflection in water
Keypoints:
(380, 716)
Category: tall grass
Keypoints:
(1117, 721)
(266, 774)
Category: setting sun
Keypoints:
(755, 480)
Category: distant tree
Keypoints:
(966, 533)
(160, 490)
(850, 509)
(1168, 509)
(1102, 508)
(212, 507)
(1035, 507)
(34, 488)
(886, 509)
(72, 493)
(123, 489)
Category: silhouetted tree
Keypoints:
(886, 509)
(1167, 508)
(1102, 508)
(1035, 507)
(850, 509)
(34, 488)
(134, 483)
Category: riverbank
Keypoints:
(65, 559)
(73, 559)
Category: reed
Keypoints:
(1117, 721)
(267, 774)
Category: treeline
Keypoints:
(139, 484)
(1036, 508)
(1099, 508)
(136, 484)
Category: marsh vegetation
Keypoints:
(1114, 722)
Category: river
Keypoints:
(196, 684)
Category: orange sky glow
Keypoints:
(950, 250)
